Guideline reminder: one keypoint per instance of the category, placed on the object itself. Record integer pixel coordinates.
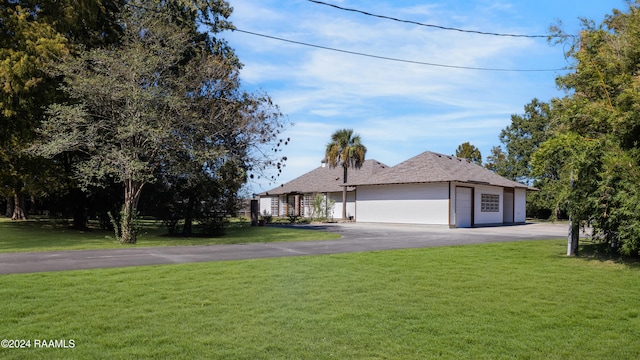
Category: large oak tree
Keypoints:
(164, 97)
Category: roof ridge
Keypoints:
(426, 167)
(430, 166)
(325, 178)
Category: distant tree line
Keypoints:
(103, 99)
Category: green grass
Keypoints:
(521, 300)
(47, 235)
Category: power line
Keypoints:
(429, 25)
(393, 59)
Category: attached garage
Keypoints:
(437, 189)
(403, 203)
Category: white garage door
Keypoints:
(463, 207)
(404, 204)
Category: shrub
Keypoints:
(321, 208)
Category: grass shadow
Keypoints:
(604, 253)
(50, 234)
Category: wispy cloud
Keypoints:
(400, 109)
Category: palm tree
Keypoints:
(345, 149)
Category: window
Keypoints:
(307, 203)
(283, 205)
(490, 203)
(274, 206)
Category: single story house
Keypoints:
(296, 196)
(429, 188)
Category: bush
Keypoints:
(213, 225)
(268, 218)
(321, 208)
(293, 218)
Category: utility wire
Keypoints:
(393, 59)
(428, 25)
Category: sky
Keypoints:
(401, 109)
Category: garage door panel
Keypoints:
(410, 203)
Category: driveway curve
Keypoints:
(356, 237)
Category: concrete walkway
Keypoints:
(356, 237)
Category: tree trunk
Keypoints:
(9, 210)
(79, 209)
(187, 228)
(573, 238)
(18, 207)
(128, 226)
(344, 194)
(128, 234)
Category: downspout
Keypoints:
(473, 206)
(514, 205)
(449, 207)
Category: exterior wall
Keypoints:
(306, 204)
(520, 206)
(337, 207)
(411, 204)
(404, 203)
(351, 205)
(265, 205)
(488, 217)
(310, 197)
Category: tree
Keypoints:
(33, 35)
(164, 96)
(27, 47)
(598, 121)
(523, 137)
(345, 149)
(469, 152)
(497, 162)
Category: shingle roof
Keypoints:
(327, 179)
(431, 167)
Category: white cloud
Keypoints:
(400, 109)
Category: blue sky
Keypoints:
(400, 109)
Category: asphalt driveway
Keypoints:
(356, 237)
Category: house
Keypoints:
(429, 188)
(296, 196)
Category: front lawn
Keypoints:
(521, 300)
(47, 235)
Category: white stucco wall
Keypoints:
(337, 207)
(404, 203)
(265, 205)
(487, 217)
(520, 206)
